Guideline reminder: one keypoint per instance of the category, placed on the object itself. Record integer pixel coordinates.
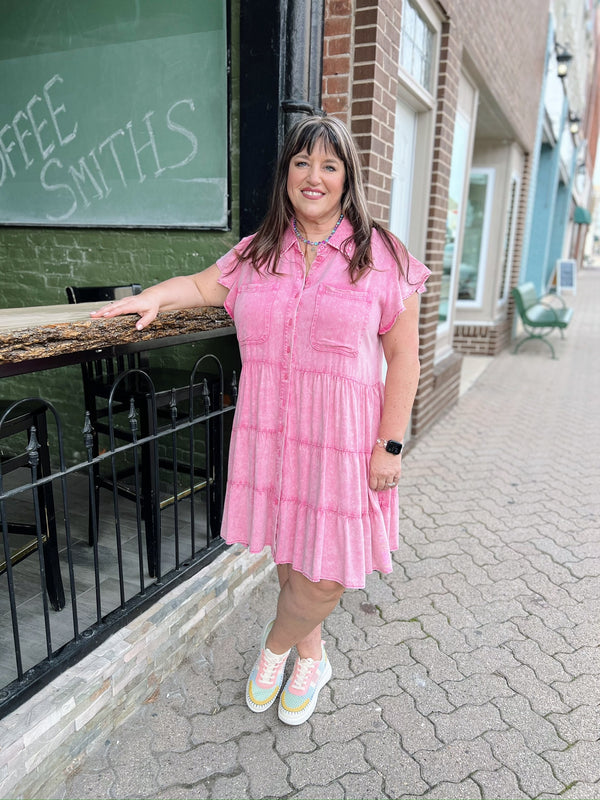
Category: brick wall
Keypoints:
(377, 37)
(481, 340)
(337, 49)
(503, 46)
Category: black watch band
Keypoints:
(390, 446)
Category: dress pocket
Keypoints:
(339, 320)
(252, 312)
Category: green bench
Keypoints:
(540, 316)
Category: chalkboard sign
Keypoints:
(114, 113)
(566, 274)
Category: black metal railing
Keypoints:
(112, 533)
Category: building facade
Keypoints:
(443, 98)
(560, 192)
(464, 128)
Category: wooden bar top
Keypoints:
(40, 332)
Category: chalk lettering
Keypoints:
(43, 124)
(173, 126)
(80, 178)
(111, 144)
(38, 128)
(54, 112)
(57, 187)
(21, 136)
(94, 158)
(5, 151)
(150, 143)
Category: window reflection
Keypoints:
(469, 270)
(455, 194)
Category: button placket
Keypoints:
(289, 336)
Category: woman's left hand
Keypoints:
(384, 470)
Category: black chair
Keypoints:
(171, 385)
(26, 418)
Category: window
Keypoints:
(416, 46)
(475, 238)
(460, 154)
(405, 139)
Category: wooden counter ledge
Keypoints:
(46, 331)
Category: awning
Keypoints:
(582, 216)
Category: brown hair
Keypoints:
(265, 247)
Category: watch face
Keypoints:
(395, 448)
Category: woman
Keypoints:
(319, 295)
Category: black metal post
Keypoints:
(303, 59)
(281, 58)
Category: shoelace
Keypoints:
(268, 667)
(302, 674)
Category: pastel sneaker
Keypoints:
(299, 697)
(266, 677)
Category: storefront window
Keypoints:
(455, 195)
(472, 263)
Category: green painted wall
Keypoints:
(36, 264)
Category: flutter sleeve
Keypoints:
(399, 287)
(231, 268)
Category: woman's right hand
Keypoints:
(146, 305)
(184, 291)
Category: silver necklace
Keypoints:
(308, 241)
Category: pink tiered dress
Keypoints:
(309, 406)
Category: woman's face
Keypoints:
(315, 185)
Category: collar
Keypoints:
(339, 237)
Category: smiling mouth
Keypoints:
(312, 193)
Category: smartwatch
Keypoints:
(390, 446)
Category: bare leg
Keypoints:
(312, 642)
(302, 607)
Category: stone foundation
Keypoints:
(46, 737)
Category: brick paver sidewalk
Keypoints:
(472, 671)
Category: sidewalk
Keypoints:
(472, 671)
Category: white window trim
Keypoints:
(423, 102)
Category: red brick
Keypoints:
(337, 26)
(337, 84)
(365, 52)
(367, 16)
(339, 7)
(338, 45)
(363, 72)
(336, 65)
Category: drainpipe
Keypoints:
(302, 59)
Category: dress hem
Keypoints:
(382, 570)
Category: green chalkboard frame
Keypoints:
(115, 113)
